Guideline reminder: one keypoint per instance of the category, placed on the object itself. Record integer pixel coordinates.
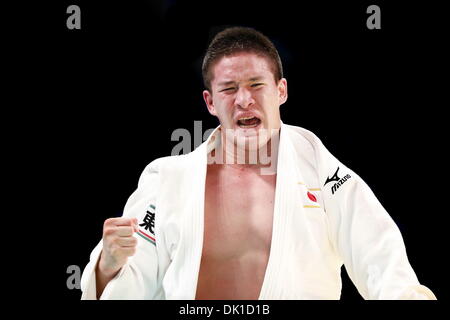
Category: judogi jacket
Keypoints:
(325, 216)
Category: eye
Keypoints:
(228, 89)
(256, 85)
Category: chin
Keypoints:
(250, 139)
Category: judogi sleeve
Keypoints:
(365, 236)
(138, 278)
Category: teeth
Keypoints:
(246, 118)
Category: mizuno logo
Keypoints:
(339, 181)
(333, 178)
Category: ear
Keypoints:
(282, 90)
(207, 96)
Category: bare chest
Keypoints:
(237, 234)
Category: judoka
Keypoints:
(260, 210)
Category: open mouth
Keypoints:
(248, 122)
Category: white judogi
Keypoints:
(310, 241)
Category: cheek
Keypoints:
(271, 109)
(269, 96)
(222, 109)
(223, 104)
(269, 101)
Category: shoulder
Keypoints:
(303, 137)
(310, 149)
(169, 165)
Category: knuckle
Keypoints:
(108, 231)
(123, 220)
(107, 222)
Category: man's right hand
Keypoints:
(118, 245)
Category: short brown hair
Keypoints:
(235, 40)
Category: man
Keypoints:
(261, 210)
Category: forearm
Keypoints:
(103, 276)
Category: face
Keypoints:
(244, 95)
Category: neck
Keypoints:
(263, 156)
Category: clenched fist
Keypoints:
(118, 245)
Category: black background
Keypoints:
(103, 101)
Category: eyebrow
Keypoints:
(259, 78)
(226, 83)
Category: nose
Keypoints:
(244, 98)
